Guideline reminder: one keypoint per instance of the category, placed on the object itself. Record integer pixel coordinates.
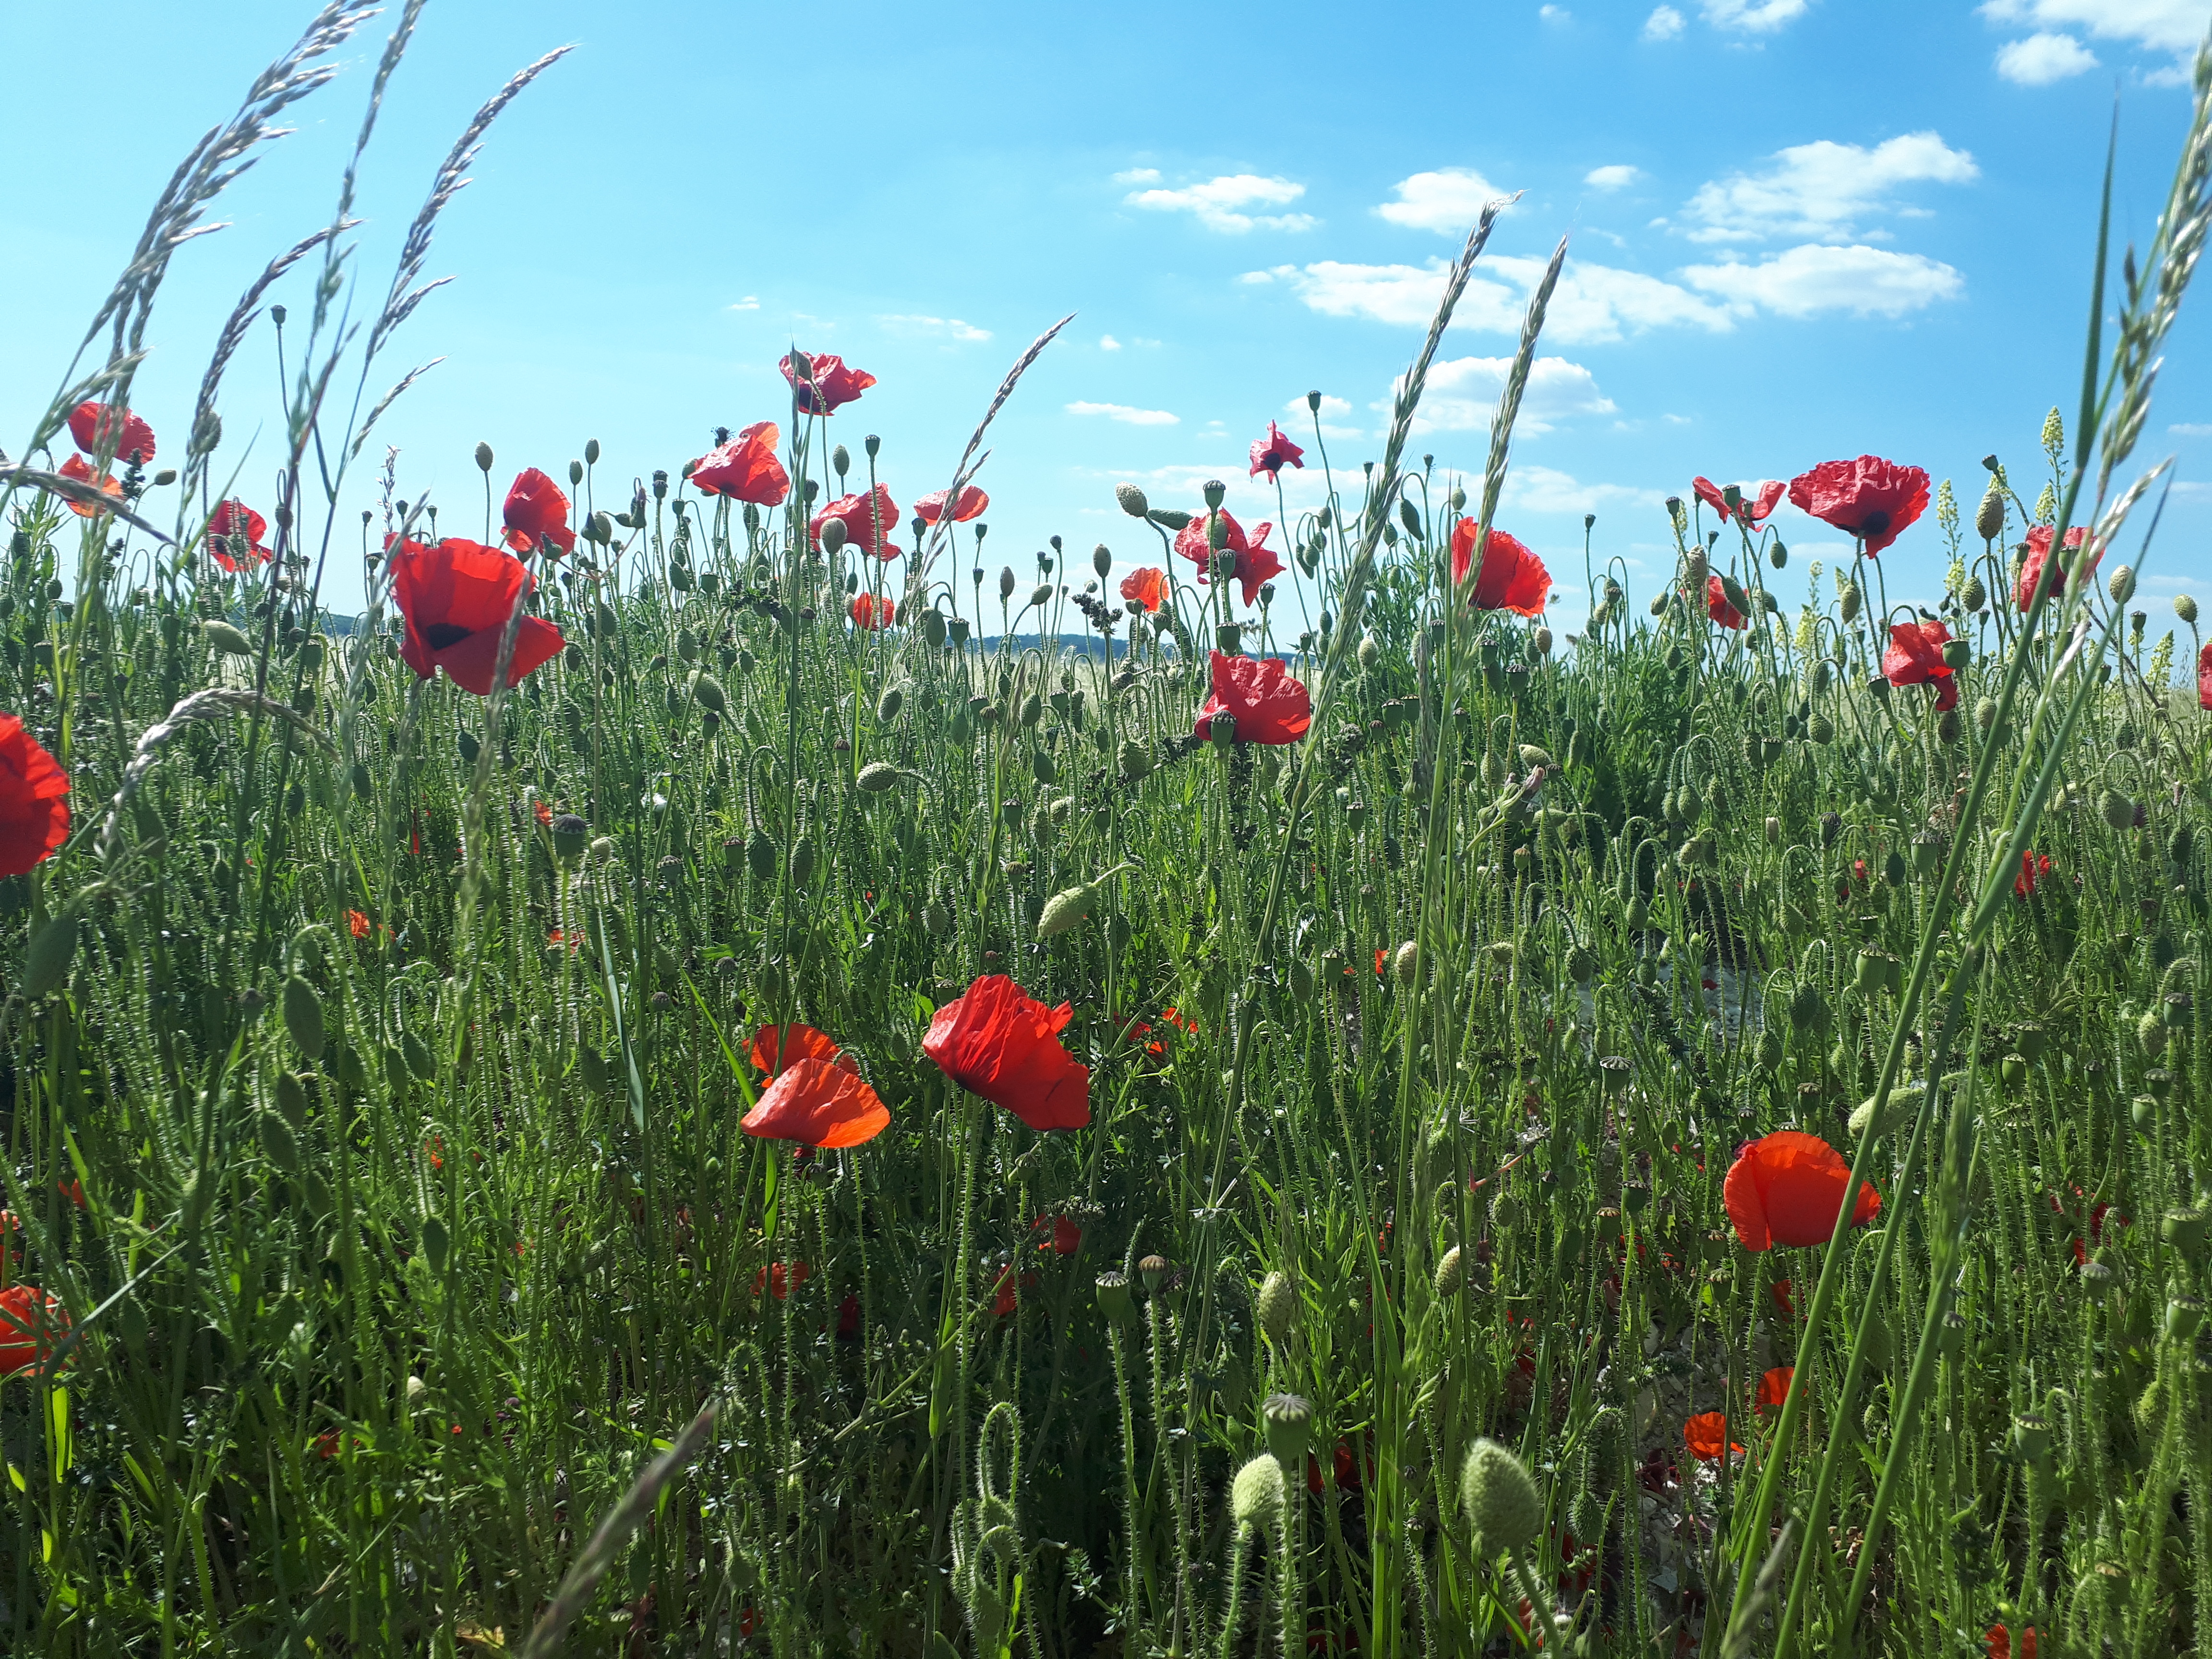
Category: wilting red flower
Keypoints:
(2000, 1641)
(1145, 589)
(2034, 867)
(872, 611)
(34, 815)
(973, 504)
(1256, 561)
(457, 596)
(231, 522)
(2204, 677)
(999, 1043)
(1067, 1237)
(30, 1321)
(1754, 503)
(745, 468)
(2038, 554)
(1258, 693)
(1272, 453)
(92, 421)
(537, 511)
(776, 1047)
(1513, 579)
(833, 385)
(869, 520)
(818, 1103)
(1718, 606)
(79, 471)
(1774, 1387)
(1787, 1189)
(780, 1281)
(1870, 498)
(357, 924)
(1703, 1435)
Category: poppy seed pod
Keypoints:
(1256, 1498)
(1114, 1300)
(1278, 1306)
(1500, 1498)
(569, 833)
(1214, 491)
(1289, 1417)
(1154, 1270)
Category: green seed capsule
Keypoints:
(303, 1016)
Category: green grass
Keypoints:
(408, 1247)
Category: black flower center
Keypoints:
(1874, 522)
(440, 636)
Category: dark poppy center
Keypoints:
(1874, 522)
(440, 636)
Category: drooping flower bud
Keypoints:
(1256, 1498)
(1500, 1498)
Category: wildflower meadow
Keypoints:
(718, 1071)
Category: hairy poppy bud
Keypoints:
(1694, 569)
(47, 963)
(707, 692)
(802, 861)
(832, 534)
(303, 1016)
(1006, 582)
(1451, 1275)
(1040, 595)
(1154, 1270)
(1278, 1306)
(226, 641)
(1114, 1297)
(1133, 500)
(1289, 1417)
(1406, 963)
(2116, 809)
(1500, 1498)
(575, 473)
(484, 457)
(2121, 585)
(1974, 594)
(1256, 1498)
(2185, 606)
(1990, 517)
(876, 777)
(2150, 1032)
(841, 461)
(937, 918)
(1849, 601)
(1540, 641)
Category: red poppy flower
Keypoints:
(999, 1043)
(2204, 677)
(35, 816)
(2038, 554)
(1513, 579)
(457, 597)
(1718, 606)
(73, 1190)
(818, 1103)
(848, 1315)
(780, 1281)
(1774, 1387)
(872, 611)
(1067, 1237)
(1272, 453)
(870, 521)
(543, 813)
(1787, 1189)
(2000, 1641)
(2034, 867)
(745, 468)
(1783, 1298)
(973, 504)
(79, 469)
(1870, 498)
(357, 924)
(1007, 1299)
(1147, 589)
(828, 385)
(1258, 693)
(775, 1048)
(1256, 561)
(1703, 1435)
(535, 511)
(1753, 502)
(234, 536)
(30, 1321)
(91, 423)
(1915, 657)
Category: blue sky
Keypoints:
(1800, 229)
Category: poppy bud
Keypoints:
(1638, 915)
(1213, 491)
(937, 919)
(1289, 1417)
(1807, 1007)
(876, 777)
(1540, 641)
(1256, 1498)
(1974, 594)
(1990, 517)
(841, 462)
(1694, 569)
(1849, 602)
(1500, 1498)
(833, 535)
(1278, 1306)
(1407, 963)
(1154, 1270)
(707, 691)
(575, 473)
(46, 963)
(1114, 1297)
(226, 641)
(1892, 869)
(2150, 1032)
(303, 1016)
(2116, 809)
(1451, 1275)
(484, 457)
(1769, 1050)
(2121, 585)
(802, 861)
(2185, 606)
(1006, 581)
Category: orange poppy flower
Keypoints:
(1704, 1433)
(1787, 1189)
(818, 1103)
(92, 424)
(357, 924)
(1774, 1387)
(871, 612)
(775, 1048)
(78, 469)
(780, 1281)
(1145, 589)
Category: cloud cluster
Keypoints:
(1125, 414)
(1821, 191)
(1462, 392)
(1217, 203)
(949, 328)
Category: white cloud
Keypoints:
(1462, 394)
(1812, 278)
(1138, 176)
(1754, 16)
(1548, 490)
(1820, 189)
(1664, 24)
(2040, 59)
(1108, 343)
(2190, 430)
(1124, 413)
(2174, 26)
(1449, 200)
(750, 302)
(1338, 406)
(948, 327)
(1217, 202)
(1555, 14)
(1597, 303)
(1612, 178)
(1592, 303)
